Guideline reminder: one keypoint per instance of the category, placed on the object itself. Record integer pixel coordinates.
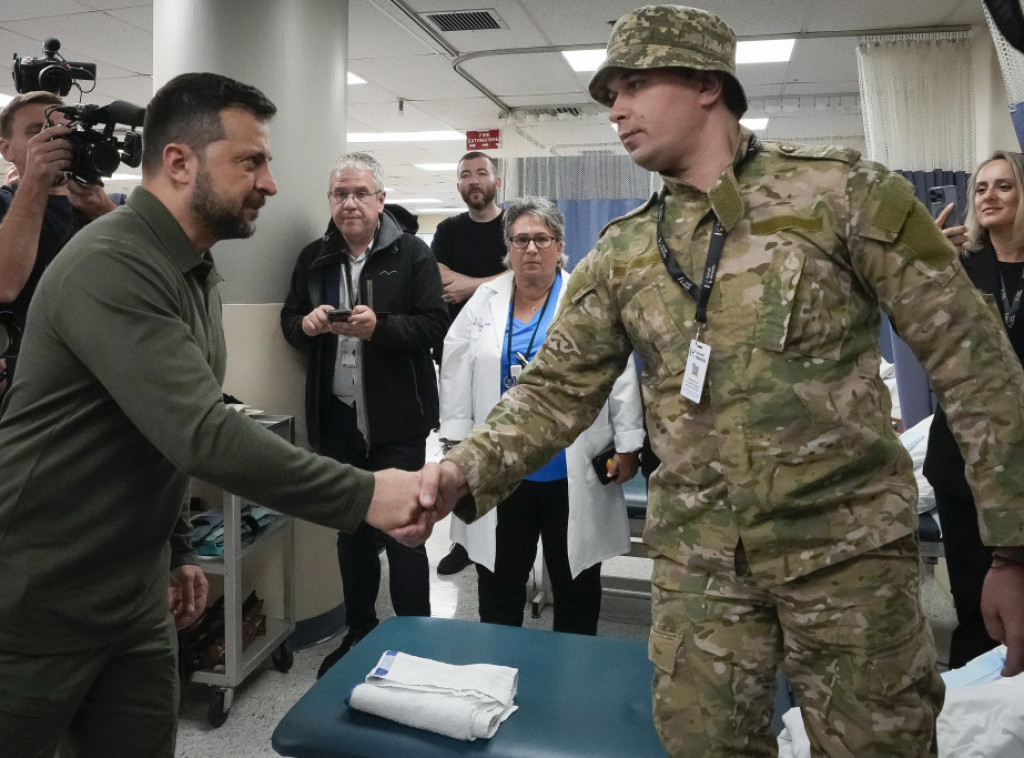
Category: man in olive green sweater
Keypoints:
(117, 402)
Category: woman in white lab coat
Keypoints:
(581, 522)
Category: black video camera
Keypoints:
(96, 154)
(51, 72)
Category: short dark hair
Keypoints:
(19, 102)
(732, 92)
(473, 155)
(187, 110)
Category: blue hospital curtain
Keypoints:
(584, 220)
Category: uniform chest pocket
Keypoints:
(653, 330)
(805, 306)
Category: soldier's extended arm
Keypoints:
(958, 339)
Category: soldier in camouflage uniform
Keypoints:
(782, 520)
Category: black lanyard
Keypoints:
(510, 381)
(1010, 308)
(700, 293)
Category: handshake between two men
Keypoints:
(406, 504)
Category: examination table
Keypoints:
(579, 697)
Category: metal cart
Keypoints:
(238, 664)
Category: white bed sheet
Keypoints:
(983, 716)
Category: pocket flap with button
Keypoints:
(663, 650)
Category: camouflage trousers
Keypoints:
(852, 640)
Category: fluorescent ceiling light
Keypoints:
(439, 210)
(764, 51)
(585, 60)
(438, 167)
(413, 200)
(355, 79)
(126, 178)
(747, 51)
(4, 99)
(440, 136)
(755, 124)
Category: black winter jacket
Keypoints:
(399, 381)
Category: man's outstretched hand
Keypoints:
(403, 502)
(407, 504)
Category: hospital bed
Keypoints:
(983, 716)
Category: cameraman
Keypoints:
(41, 211)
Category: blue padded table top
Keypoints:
(579, 697)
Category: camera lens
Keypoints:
(55, 79)
(103, 158)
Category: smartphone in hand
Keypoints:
(939, 198)
(338, 314)
(600, 462)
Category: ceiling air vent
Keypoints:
(562, 111)
(466, 21)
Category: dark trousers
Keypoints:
(537, 509)
(358, 558)
(115, 701)
(967, 559)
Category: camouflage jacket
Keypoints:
(791, 449)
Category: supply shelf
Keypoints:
(280, 534)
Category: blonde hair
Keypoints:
(977, 235)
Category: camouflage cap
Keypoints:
(656, 36)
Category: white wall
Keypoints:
(994, 129)
(267, 373)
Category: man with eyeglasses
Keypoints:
(365, 305)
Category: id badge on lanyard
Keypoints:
(696, 370)
(700, 352)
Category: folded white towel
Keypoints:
(464, 702)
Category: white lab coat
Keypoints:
(470, 381)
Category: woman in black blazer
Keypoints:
(991, 249)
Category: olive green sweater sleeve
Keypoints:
(154, 340)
